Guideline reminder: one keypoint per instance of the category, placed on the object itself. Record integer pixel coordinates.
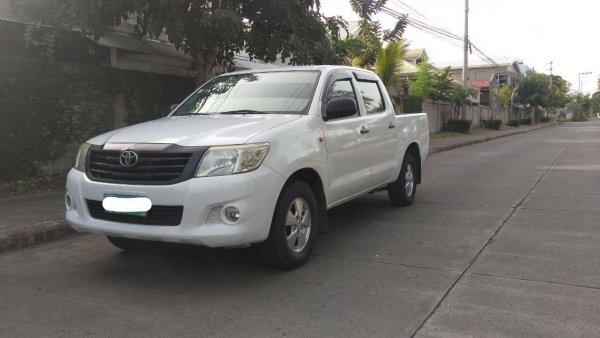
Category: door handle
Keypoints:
(392, 125)
(364, 130)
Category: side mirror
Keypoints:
(172, 107)
(340, 108)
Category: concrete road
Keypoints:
(503, 240)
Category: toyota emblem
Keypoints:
(128, 158)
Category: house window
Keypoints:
(502, 79)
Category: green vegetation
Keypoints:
(210, 32)
(513, 123)
(493, 124)
(581, 106)
(595, 103)
(459, 126)
(540, 93)
(440, 87)
(48, 106)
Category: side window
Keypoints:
(372, 97)
(340, 89)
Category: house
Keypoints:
(487, 77)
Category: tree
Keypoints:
(388, 64)
(440, 87)
(595, 102)
(581, 106)
(211, 31)
(370, 37)
(422, 86)
(533, 91)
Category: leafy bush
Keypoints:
(47, 106)
(461, 126)
(513, 123)
(493, 124)
(544, 119)
(528, 121)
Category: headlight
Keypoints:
(81, 158)
(227, 160)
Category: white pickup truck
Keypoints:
(251, 157)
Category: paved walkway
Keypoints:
(38, 218)
(451, 142)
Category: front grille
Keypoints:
(152, 167)
(157, 215)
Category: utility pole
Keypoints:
(465, 73)
(579, 80)
(550, 63)
(550, 69)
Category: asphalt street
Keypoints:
(503, 240)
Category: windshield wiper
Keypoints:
(242, 111)
(191, 113)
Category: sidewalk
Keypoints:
(447, 143)
(38, 218)
(31, 219)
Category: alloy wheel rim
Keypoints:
(297, 225)
(409, 180)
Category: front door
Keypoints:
(348, 156)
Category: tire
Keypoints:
(128, 244)
(294, 228)
(402, 192)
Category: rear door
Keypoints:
(383, 133)
(347, 148)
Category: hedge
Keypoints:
(461, 126)
(513, 123)
(493, 124)
(527, 121)
(46, 106)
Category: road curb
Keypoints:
(485, 139)
(26, 235)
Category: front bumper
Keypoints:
(254, 194)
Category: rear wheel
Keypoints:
(293, 229)
(402, 192)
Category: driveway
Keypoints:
(503, 240)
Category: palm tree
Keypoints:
(388, 64)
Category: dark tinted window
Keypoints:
(372, 97)
(340, 89)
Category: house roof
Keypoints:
(481, 83)
(407, 68)
(414, 53)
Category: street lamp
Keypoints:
(584, 73)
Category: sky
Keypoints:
(535, 31)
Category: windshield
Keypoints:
(254, 93)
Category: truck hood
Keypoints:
(199, 130)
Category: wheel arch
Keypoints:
(313, 179)
(413, 149)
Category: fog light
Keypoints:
(69, 204)
(231, 214)
(214, 216)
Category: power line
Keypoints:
(437, 32)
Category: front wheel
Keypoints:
(293, 229)
(402, 192)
